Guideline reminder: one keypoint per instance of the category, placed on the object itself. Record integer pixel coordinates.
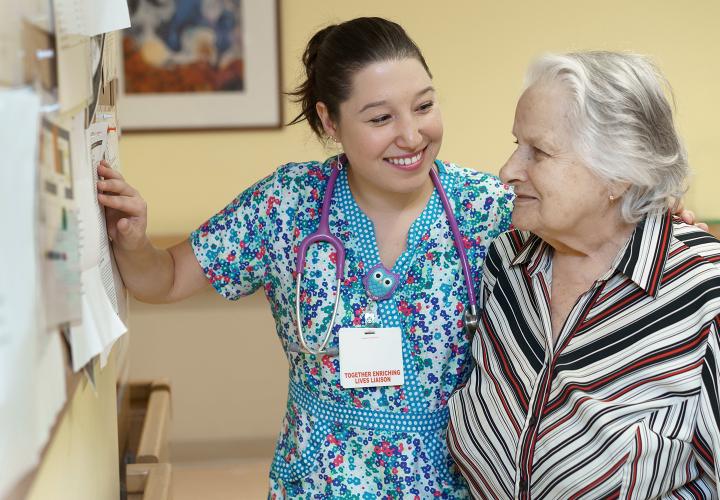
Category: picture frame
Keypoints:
(201, 65)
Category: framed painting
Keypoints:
(201, 64)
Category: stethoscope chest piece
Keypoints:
(471, 319)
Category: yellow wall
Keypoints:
(82, 459)
(477, 50)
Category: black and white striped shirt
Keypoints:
(625, 405)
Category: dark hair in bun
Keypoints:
(335, 53)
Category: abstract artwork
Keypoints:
(201, 64)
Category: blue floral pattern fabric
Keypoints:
(367, 442)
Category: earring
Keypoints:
(612, 197)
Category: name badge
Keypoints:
(371, 357)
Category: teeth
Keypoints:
(405, 161)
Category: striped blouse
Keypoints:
(625, 405)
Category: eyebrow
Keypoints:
(543, 142)
(382, 103)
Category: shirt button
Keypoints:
(533, 421)
(523, 484)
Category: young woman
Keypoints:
(368, 88)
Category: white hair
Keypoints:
(623, 125)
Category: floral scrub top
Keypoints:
(367, 442)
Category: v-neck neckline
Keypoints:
(365, 228)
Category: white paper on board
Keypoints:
(91, 17)
(101, 146)
(101, 325)
(19, 112)
(58, 225)
(32, 372)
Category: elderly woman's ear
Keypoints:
(617, 189)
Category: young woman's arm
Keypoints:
(150, 274)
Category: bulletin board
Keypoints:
(63, 306)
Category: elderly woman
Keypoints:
(596, 360)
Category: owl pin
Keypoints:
(380, 283)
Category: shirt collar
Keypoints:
(644, 256)
(642, 260)
(532, 253)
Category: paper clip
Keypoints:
(44, 54)
(50, 108)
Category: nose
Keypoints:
(514, 169)
(409, 135)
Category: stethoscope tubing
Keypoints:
(323, 234)
(457, 237)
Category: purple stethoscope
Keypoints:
(323, 234)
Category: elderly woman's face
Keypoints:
(556, 193)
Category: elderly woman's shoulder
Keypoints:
(510, 244)
(697, 242)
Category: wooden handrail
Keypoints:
(154, 481)
(153, 447)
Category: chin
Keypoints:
(521, 223)
(420, 177)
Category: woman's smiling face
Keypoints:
(390, 127)
(556, 193)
